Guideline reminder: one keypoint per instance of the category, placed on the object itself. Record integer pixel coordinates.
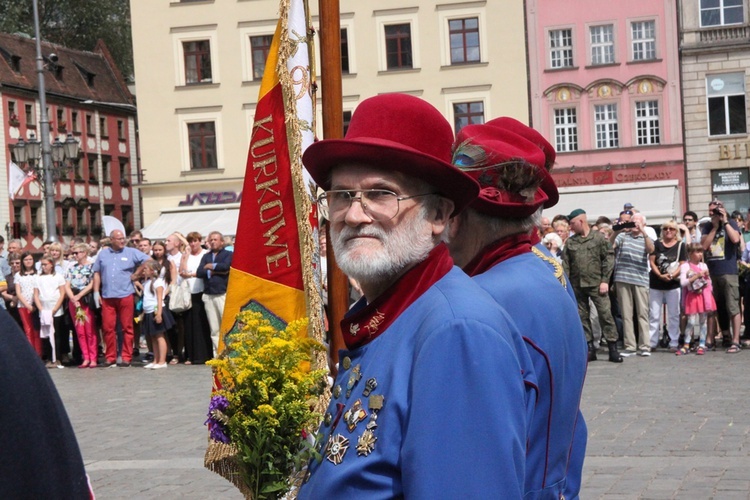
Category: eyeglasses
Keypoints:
(378, 204)
(669, 229)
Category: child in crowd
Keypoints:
(156, 318)
(699, 299)
(48, 297)
(25, 283)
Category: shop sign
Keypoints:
(730, 180)
(211, 198)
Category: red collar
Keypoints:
(500, 250)
(362, 326)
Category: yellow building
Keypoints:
(198, 66)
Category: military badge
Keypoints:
(336, 449)
(370, 386)
(355, 415)
(366, 443)
(354, 377)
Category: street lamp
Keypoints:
(63, 156)
(30, 150)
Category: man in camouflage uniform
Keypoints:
(588, 260)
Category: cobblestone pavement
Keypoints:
(659, 427)
(668, 426)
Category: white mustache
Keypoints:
(348, 232)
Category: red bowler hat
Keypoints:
(396, 132)
(528, 133)
(483, 151)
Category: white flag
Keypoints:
(17, 179)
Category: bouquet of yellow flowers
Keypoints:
(81, 318)
(266, 400)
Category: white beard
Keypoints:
(369, 261)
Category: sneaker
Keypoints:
(700, 350)
(644, 353)
(158, 366)
(627, 354)
(149, 366)
(123, 364)
(683, 351)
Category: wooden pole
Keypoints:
(333, 128)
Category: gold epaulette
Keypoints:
(559, 274)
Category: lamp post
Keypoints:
(61, 157)
(49, 186)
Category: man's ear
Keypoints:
(454, 226)
(443, 211)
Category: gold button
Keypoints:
(346, 362)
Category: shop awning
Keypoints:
(202, 221)
(659, 201)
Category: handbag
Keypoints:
(180, 299)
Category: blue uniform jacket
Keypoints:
(453, 422)
(549, 321)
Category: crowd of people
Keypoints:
(681, 289)
(107, 303)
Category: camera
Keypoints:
(715, 211)
(53, 58)
(623, 225)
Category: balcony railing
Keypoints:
(725, 34)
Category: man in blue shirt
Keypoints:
(490, 241)
(430, 399)
(114, 272)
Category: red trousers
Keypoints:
(32, 333)
(112, 309)
(86, 332)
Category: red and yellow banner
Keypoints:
(276, 258)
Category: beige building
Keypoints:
(198, 66)
(715, 49)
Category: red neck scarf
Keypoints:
(498, 251)
(362, 326)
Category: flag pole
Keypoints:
(333, 128)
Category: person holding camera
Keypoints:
(664, 284)
(720, 240)
(632, 249)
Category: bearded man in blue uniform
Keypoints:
(491, 242)
(431, 399)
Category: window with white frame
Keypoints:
(561, 48)
(726, 104)
(647, 122)
(605, 124)
(566, 130)
(200, 139)
(398, 46)
(344, 51)
(464, 40)
(195, 55)
(398, 32)
(721, 12)
(202, 144)
(602, 44)
(643, 36)
(260, 46)
(467, 113)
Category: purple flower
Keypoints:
(216, 419)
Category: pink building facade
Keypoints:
(605, 90)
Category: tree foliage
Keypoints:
(76, 24)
